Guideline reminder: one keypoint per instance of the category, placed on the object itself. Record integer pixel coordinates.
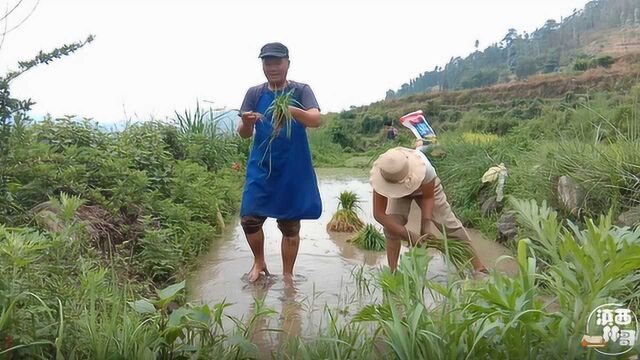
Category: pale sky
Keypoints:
(154, 57)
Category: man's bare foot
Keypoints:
(288, 279)
(257, 271)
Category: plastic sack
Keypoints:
(417, 123)
(494, 173)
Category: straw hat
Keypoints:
(398, 172)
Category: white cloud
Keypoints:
(153, 57)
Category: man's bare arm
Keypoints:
(309, 118)
(379, 213)
(246, 125)
(428, 202)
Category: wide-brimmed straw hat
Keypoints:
(398, 172)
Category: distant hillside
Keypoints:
(588, 38)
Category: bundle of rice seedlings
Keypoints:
(458, 252)
(280, 114)
(369, 238)
(346, 219)
(280, 117)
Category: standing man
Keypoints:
(281, 182)
(399, 177)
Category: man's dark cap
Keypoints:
(275, 49)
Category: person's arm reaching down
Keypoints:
(379, 213)
(428, 201)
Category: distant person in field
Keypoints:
(399, 177)
(392, 132)
(280, 182)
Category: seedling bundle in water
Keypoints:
(369, 238)
(458, 252)
(346, 219)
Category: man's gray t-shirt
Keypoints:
(302, 93)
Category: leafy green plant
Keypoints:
(584, 267)
(538, 312)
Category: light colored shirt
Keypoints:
(429, 175)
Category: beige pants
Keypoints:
(443, 218)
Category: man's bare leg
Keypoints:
(394, 243)
(289, 246)
(252, 226)
(393, 253)
(256, 243)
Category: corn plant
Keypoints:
(585, 267)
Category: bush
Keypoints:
(371, 124)
(582, 65)
(605, 61)
(586, 63)
(476, 122)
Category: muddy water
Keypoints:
(323, 271)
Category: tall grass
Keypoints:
(199, 121)
(564, 273)
(540, 313)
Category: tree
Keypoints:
(390, 94)
(526, 67)
(13, 112)
(10, 107)
(477, 44)
(511, 36)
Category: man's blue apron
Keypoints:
(281, 182)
